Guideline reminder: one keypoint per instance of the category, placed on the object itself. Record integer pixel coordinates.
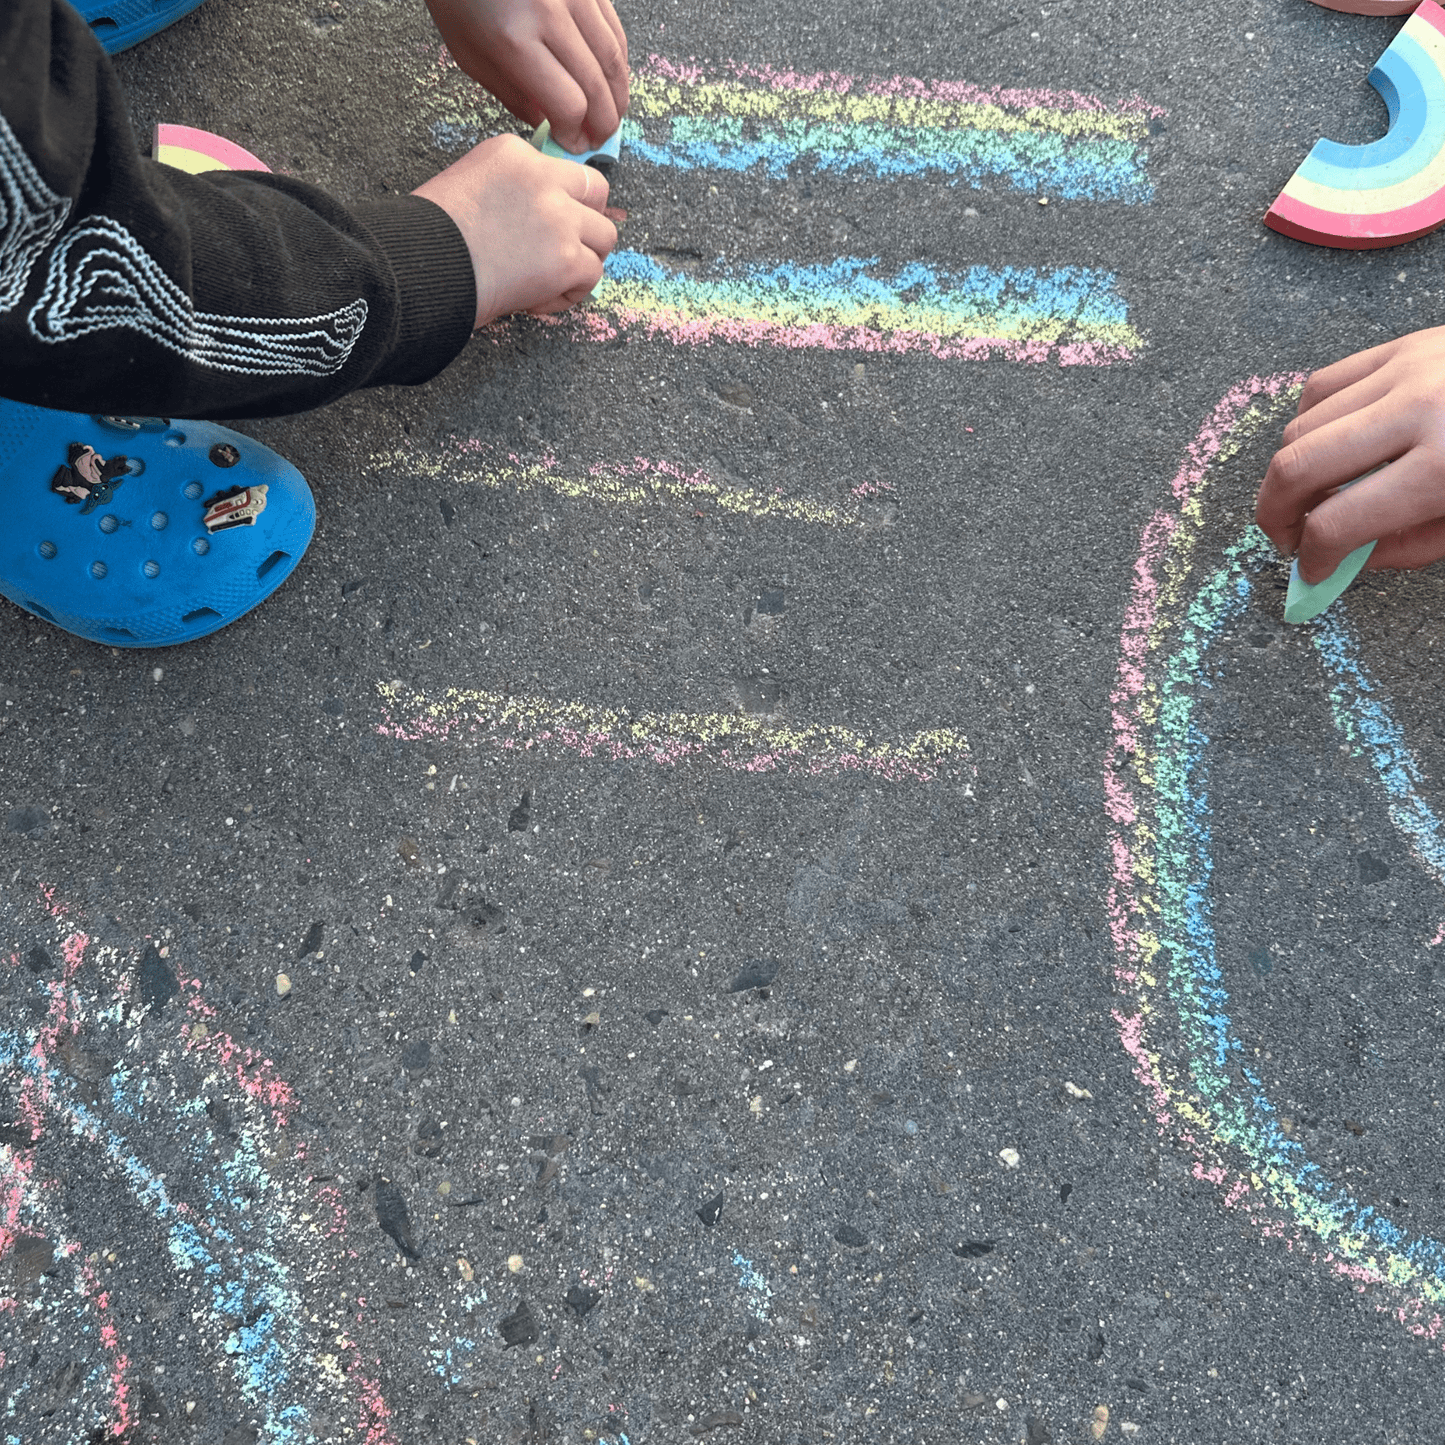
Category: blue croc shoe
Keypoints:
(119, 24)
(136, 532)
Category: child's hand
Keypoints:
(1380, 408)
(534, 225)
(565, 60)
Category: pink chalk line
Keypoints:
(949, 92)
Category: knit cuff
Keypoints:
(435, 283)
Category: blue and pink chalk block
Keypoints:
(1391, 190)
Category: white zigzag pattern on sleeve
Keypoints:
(30, 216)
(101, 277)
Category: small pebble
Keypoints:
(1129, 1427)
(1010, 1158)
(465, 1269)
(850, 1066)
(514, 1263)
(283, 985)
(1000, 1403)
(910, 1126)
(1075, 1092)
(1100, 1422)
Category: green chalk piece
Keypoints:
(609, 150)
(1302, 602)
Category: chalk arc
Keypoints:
(1390, 190)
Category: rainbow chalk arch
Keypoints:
(1393, 189)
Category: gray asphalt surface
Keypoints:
(547, 1004)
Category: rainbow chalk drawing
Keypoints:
(744, 118)
(241, 1241)
(740, 118)
(1205, 1093)
(777, 123)
(1393, 189)
(184, 148)
(635, 484)
(1073, 315)
(738, 743)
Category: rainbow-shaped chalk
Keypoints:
(1393, 189)
(1370, 7)
(185, 148)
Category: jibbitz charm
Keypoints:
(238, 507)
(88, 478)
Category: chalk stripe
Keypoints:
(635, 483)
(737, 117)
(739, 743)
(1073, 315)
(1362, 714)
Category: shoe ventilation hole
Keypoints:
(270, 562)
(223, 454)
(201, 546)
(103, 25)
(118, 632)
(98, 570)
(175, 438)
(160, 521)
(152, 569)
(200, 615)
(192, 490)
(48, 550)
(134, 466)
(40, 611)
(108, 524)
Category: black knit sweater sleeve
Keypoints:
(130, 287)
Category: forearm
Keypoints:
(129, 287)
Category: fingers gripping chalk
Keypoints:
(1303, 600)
(602, 158)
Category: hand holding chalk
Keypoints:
(1376, 419)
(534, 227)
(564, 61)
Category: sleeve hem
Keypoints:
(436, 286)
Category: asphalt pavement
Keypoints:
(775, 874)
